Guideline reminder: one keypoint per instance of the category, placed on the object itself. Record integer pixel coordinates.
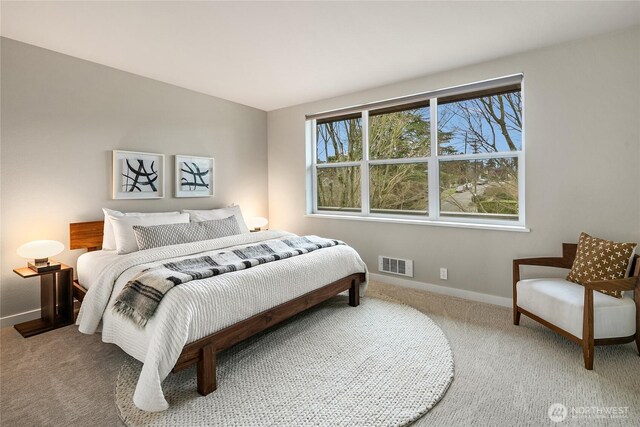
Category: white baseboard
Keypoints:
(19, 318)
(438, 289)
(406, 283)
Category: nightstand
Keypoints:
(56, 300)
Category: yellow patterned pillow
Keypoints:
(598, 259)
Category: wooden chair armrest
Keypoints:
(565, 261)
(627, 284)
(559, 262)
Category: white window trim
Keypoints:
(424, 96)
(351, 216)
(433, 218)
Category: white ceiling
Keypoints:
(271, 55)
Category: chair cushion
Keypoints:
(599, 259)
(561, 303)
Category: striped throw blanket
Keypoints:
(140, 297)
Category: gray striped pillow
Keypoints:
(155, 236)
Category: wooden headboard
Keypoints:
(86, 235)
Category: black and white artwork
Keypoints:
(194, 176)
(138, 175)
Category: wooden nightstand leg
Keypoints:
(48, 298)
(65, 296)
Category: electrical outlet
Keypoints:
(443, 273)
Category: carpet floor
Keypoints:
(504, 375)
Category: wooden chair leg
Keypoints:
(207, 370)
(636, 298)
(587, 329)
(516, 279)
(354, 294)
(587, 353)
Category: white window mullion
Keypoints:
(314, 182)
(364, 165)
(521, 193)
(337, 165)
(434, 182)
(480, 156)
(399, 161)
(314, 169)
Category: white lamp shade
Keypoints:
(39, 249)
(257, 222)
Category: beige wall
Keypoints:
(582, 113)
(62, 116)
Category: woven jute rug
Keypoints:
(379, 364)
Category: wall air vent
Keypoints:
(402, 267)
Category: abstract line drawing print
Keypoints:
(139, 175)
(194, 176)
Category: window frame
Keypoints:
(434, 216)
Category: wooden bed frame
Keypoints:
(88, 235)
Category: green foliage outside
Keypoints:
(467, 187)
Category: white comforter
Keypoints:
(201, 307)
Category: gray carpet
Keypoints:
(505, 375)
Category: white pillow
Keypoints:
(108, 239)
(123, 228)
(209, 214)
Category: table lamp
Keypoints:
(256, 223)
(40, 251)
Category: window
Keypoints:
(453, 155)
(399, 148)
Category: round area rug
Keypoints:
(379, 364)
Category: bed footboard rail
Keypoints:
(203, 351)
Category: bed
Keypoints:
(197, 319)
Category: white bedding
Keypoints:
(201, 307)
(91, 265)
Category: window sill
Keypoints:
(439, 223)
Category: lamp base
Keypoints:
(41, 267)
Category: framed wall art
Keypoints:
(194, 176)
(138, 175)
